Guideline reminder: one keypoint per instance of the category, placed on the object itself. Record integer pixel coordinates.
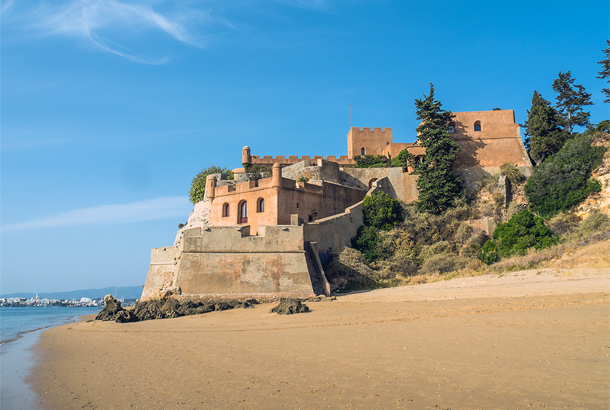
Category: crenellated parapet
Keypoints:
(269, 160)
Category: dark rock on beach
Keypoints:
(289, 306)
(166, 308)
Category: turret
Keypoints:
(210, 189)
(246, 158)
(276, 178)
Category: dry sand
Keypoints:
(536, 339)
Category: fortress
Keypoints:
(269, 237)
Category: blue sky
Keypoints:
(110, 107)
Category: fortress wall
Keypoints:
(491, 153)
(328, 199)
(320, 170)
(335, 232)
(225, 260)
(161, 270)
(399, 184)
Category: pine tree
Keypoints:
(605, 73)
(438, 187)
(543, 136)
(571, 99)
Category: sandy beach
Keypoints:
(534, 339)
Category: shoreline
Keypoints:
(503, 341)
(18, 358)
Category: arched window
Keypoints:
(477, 126)
(243, 212)
(371, 182)
(362, 151)
(225, 210)
(260, 205)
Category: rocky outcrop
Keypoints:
(166, 308)
(113, 311)
(290, 306)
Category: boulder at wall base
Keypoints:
(110, 311)
(289, 306)
(125, 316)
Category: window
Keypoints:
(361, 151)
(260, 205)
(225, 210)
(243, 212)
(477, 126)
(451, 128)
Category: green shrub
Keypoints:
(197, 191)
(366, 241)
(521, 232)
(489, 252)
(382, 211)
(371, 161)
(564, 179)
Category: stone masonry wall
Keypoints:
(228, 261)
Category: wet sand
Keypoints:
(536, 339)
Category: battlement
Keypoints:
(231, 239)
(293, 159)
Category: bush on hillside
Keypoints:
(523, 231)
(382, 211)
(564, 179)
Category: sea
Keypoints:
(20, 329)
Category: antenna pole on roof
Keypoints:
(350, 116)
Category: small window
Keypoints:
(225, 210)
(361, 151)
(451, 128)
(260, 206)
(477, 126)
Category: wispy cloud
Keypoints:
(158, 208)
(112, 25)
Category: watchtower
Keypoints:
(367, 142)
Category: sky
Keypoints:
(110, 107)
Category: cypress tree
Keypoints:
(438, 187)
(605, 73)
(543, 136)
(571, 99)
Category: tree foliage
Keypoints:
(605, 73)
(571, 100)
(437, 185)
(371, 161)
(543, 135)
(564, 179)
(523, 231)
(381, 212)
(404, 159)
(198, 184)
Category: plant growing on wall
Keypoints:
(256, 172)
(371, 161)
(197, 191)
(437, 185)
